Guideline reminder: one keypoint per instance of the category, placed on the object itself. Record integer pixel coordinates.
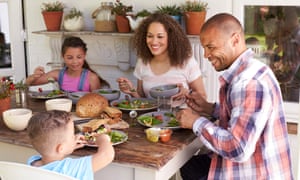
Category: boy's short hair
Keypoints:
(45, 129)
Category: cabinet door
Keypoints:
(12, 56)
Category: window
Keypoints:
(274, 34)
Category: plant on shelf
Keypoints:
(74, 13)
(52, 14)
(73, 21)
(143, 13)
(194, 6)
(195, 14)
(172, 10)
(121, 11)
(52, 6)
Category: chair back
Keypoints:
(18, 171)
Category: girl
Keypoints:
(76, 75)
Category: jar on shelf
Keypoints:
(104, 18)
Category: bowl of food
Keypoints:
(62, 104)
(75, 96)
(109, 94)
(17, 119)
(164, 90)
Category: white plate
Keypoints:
(44, 95)
(151, 102)
(115, 143)
(165, 120)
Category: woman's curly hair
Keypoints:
(179, 47)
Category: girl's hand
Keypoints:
(38, 72)
(126, 85)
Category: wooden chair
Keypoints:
(18, 171)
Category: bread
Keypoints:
(113, 112)
(94, 124)
(91, 105)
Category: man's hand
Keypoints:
(186, 118)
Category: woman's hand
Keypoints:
(126, 85)
(181, 94)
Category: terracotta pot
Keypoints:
(194, 22)
(122, 24)
(5, 104)
(53, 20)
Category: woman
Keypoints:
(165, 57)
(76, 75)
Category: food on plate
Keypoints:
(91, 105)
(55, 93)
(104, 91)
(134, 104)
(150, 120)
(114, 113)
(173, 121)
(159, 119)
(115, 136)
(93, 125)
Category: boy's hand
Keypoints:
(80, 141)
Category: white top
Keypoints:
(190, 72)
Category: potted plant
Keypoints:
(6, 90)
(195, 14)
(143, 13)
(52, 13)
(73, 21)
(173, 10)
(121, 11)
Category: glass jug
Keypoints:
(104, 18)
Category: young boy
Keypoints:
(52, 135)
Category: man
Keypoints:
(250, 141)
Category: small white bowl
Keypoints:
(75, 96)
(164, 90)
(17, 119)
(109, 94)
(62, 104)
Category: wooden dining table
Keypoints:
(135, 159)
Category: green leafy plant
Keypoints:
(121, 9)
(173, 10)
(21, 85)
(53, 6)
(143, 13)
(194, 6)
(73, 13)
